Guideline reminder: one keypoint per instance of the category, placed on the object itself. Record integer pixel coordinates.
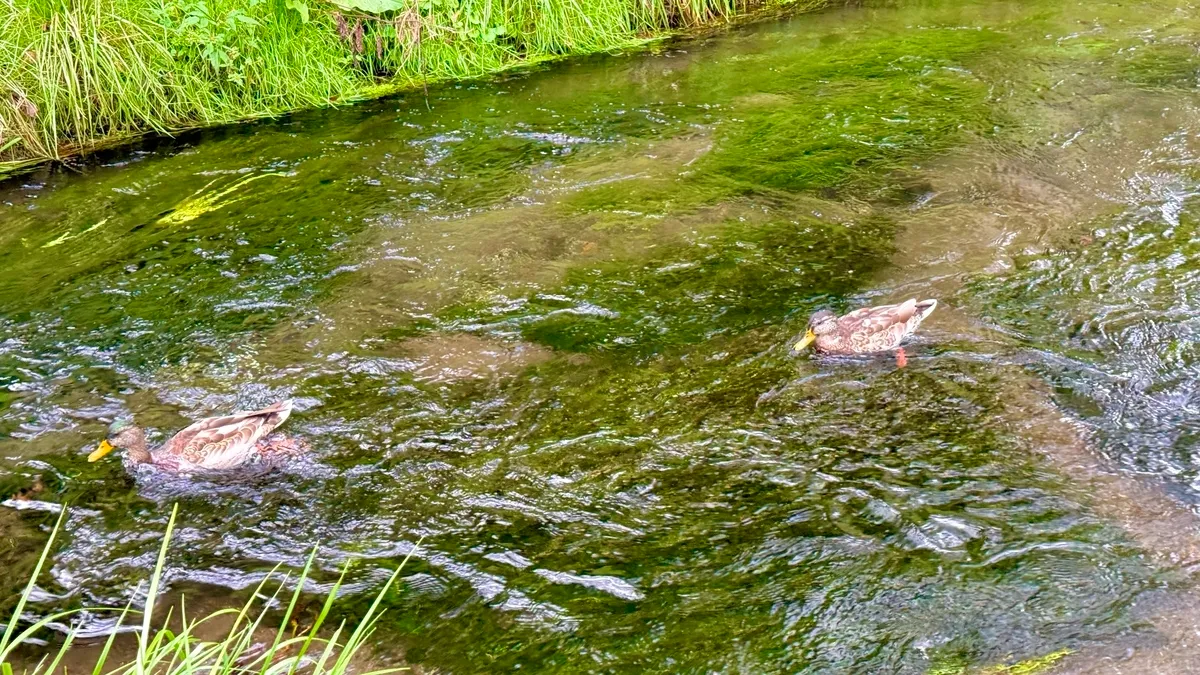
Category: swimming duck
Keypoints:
(212, 444)
(866, 330)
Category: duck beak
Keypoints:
(805, 341)
(103, 449)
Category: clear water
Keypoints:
(541, 325)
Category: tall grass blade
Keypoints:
(162, 651)
(366, 625)
(62, 651)
(148, 611)
(269, 657)
(5, 642)
(108, 643)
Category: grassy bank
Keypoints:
(78, 73)
(228, 641)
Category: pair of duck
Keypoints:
(247, 439)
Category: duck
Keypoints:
(26, 494)
(864, 331)
(212, 444)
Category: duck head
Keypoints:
(820, 323)
(126, 435)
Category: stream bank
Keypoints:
(94, 74)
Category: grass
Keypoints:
(77, 74)
(164, 651)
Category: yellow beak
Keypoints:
(103, 449)
(805, 341)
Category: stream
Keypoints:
(540, 324)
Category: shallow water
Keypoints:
(541, 325)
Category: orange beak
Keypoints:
(103, 449)
(805, 341)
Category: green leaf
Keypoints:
(246, 19)
(372, 6)
(300, 6)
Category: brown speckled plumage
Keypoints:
(867, 330)
(215, 443)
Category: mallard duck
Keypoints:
(866, 330)
(27, 493)
(212, 444)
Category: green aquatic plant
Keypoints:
(1032, 666)
(179, 651)
(1159, 65)
(1038, 664)
(203, 201)
(851, 117)
(763, 270)
(67, 236)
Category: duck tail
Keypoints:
(926, 307)
(276, 414)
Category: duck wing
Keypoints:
(882, 327)
(879, 319)
(226, 442)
